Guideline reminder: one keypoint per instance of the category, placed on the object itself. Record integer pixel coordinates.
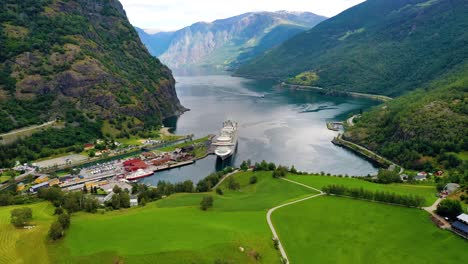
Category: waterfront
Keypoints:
(275, 124)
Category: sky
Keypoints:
(167, 15)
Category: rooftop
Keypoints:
(463, 218)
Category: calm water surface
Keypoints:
(286, 126)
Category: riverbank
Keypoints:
(381, 98)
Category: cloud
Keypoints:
(175, 14)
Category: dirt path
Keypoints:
(270, 223)
(431, 210)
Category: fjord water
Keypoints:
(275, 124)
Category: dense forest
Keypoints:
(83, 53)
(379, 47)
(426, 129)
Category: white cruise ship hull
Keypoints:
(226, 142)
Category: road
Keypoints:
(270, 223)
(350, 120)
(225, 177)
(432, 208)
(27, 129)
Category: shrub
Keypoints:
(253, 179)
(64, 220)
(219, 191)
(56, 231)
(21, 216)
(207, 202)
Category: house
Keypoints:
(133, 202)
(88, 146)
(41, 179)
(460, 226)
(421, 176)
(439, 173)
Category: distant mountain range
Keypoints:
(379, 46)
(227, 42)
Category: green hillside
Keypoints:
(380, 47)
(79, 61)
(58, 56)
(422, 130)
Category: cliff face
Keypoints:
(227, 42)
(59, 56)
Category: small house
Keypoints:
(460, 226)
(36, 187)
(133, 202)
(451, 188)
(421, 176)
(88, 146)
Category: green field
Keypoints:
(175, 230)
(426, 191)
(22, 245)
(342, 230)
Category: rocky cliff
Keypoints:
(60, 56)
(228, 42)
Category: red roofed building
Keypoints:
(134, 165)
(162, 160)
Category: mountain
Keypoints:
(60, 59)
(379, 46)
(427, 129)
(227, 42)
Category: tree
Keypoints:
(232, 184)
(85, 189)
(21, 216)
(124, 199)
(253, 179)
(116, 189)
(219, 191)
(293, 170)
(92, 154)
(388, 176)
(115, 201)
(56, 231)
(449, 208)
(64, 220)
(207, 202)
(244, 166)
(91, 205)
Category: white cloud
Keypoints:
(175, 14)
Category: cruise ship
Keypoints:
(226, 142)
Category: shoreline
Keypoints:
(381, 98)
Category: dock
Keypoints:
(335, 126)
(171, 166)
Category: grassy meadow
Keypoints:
(340, 230)
(426, 191)
(175, 230)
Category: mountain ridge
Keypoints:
(227, 42)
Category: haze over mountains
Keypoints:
(227, 42)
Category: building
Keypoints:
(133, 202)
(134, 165)
(422, 176)
(36, 187)
(161, 160)
(148, 155)
(451, 188)
(88, 146)
(404, 177)
(41, 179)
(20, 187)
(460, 226)
(54, 181)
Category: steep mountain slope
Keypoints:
(156, 43)
(423, 129)
(380, 46)
(62, 58)
(228, 42)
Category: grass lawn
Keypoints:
(4, 178)
(22, 245)
(175, 230)
(342, 230)
(426, 191)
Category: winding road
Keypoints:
(270, 223)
